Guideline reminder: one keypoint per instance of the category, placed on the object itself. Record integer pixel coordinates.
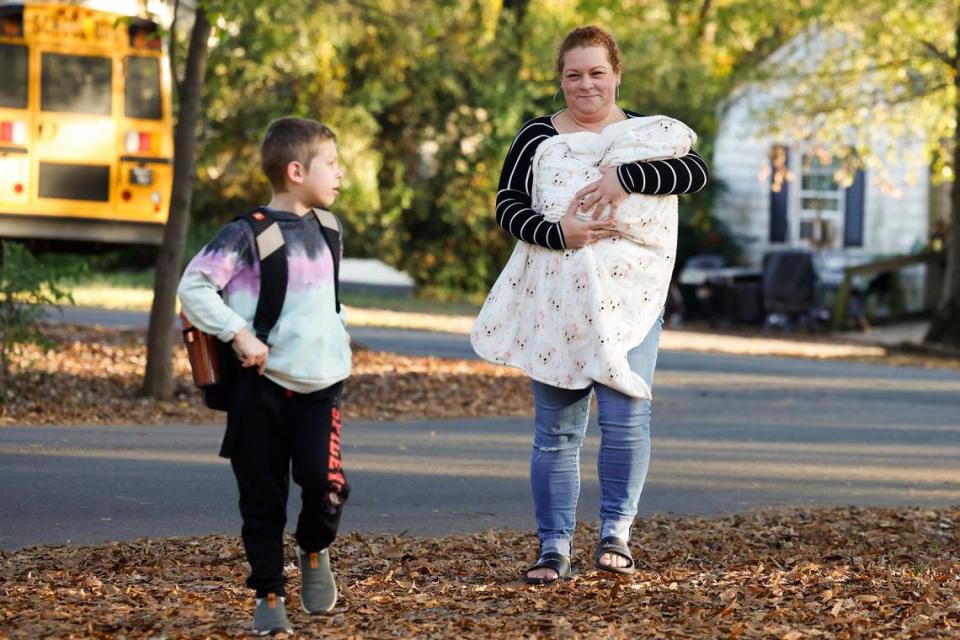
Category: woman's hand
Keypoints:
(579, 233)
(596, 196)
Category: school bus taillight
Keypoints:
(138, 142)
(13, 131)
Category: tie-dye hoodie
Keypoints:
(309, 347)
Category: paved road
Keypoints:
(730, 433)
(427, 343)
(104, 317)
(417, 343)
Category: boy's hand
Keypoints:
(579, 233)
(250, 350)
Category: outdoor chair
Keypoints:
(789, 289)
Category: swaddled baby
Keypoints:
(568, 318)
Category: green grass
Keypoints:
(119, 280)
(133, 291)
(107, 296)
(123, 279)
(412, 305)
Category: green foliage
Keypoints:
(426, 96)
(700, 232)
(875, 78)
(27, 287)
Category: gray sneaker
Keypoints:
(318, 589)
(270, 617)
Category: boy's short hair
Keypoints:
(290, 139)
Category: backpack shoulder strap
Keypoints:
(273, 270)
(332, 232)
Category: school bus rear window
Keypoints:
(142, 84)
(75, 84)
(13, 80)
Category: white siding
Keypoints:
(897, 196)
(894, 222)
(897, 222)
(741, 164)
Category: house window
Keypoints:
(819, 219)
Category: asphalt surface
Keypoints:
(417, 343)
(731, 433)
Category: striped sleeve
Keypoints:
(514, 212)
(674, 176)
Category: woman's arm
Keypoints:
(515, 214)
(674, 176)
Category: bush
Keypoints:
(27, 288)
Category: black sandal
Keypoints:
(613, 544)
(551, 560)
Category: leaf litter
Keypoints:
(788, 574)
(784, 573)
(93, 375)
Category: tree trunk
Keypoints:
(518, 8)
(945, 327)
(158, 378)
(512, 35)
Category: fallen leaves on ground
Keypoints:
(93, 376)
(789, 574)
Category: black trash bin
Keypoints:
(789, 289)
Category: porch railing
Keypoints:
(873, 268)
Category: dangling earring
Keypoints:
(557, 94)
(617, 97)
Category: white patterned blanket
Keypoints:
(568, 318)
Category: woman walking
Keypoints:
(557, 301)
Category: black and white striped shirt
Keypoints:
(687, 174)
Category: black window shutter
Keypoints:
(853, 212)
(779, 161)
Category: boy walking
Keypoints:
(285, 412)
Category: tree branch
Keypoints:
(938, 53)
(757, 52)
(373, 11)
(832, 73)
(172, 51)
(517, 7)
(702, 17)
(819, 107)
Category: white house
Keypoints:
(783, 193)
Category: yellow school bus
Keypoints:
(86, 133)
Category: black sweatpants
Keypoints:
(272, 430)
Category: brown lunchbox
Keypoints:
(203, 354)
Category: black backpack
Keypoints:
(219, 394)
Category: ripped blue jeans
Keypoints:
(561, 418)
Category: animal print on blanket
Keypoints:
(568, 318)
